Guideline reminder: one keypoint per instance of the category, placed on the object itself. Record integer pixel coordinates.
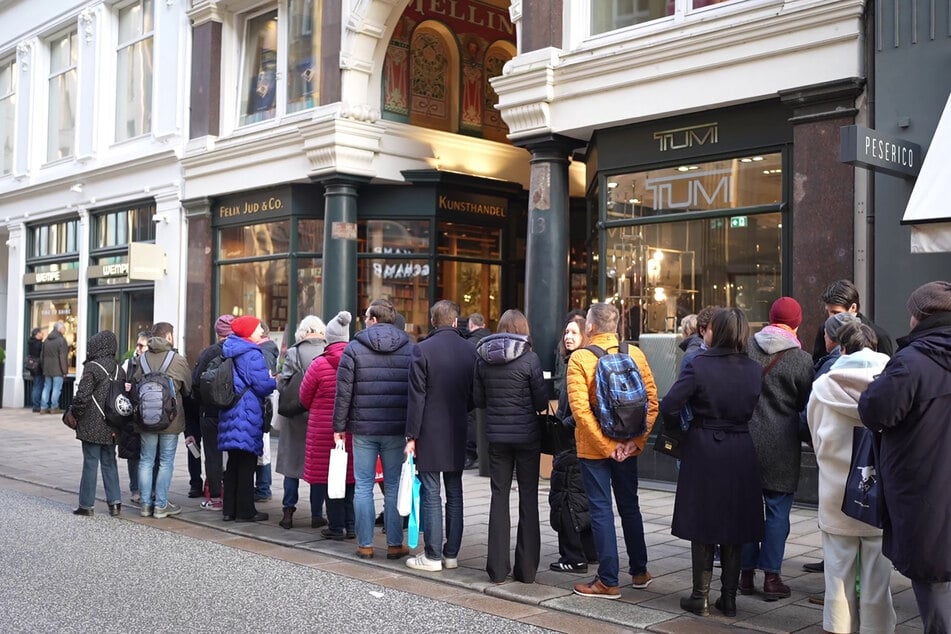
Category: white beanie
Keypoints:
(338, 328)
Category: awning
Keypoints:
(929, 208)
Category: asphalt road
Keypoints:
(64, 573)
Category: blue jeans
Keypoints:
(262, 481)
(102, 457)
(165, 445)
(768, 554)
(431, 506)
(317, 494)
(600, 477)
(36, 396)
(365, 451)
(52, 387)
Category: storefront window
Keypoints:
(475, 286)
(134, 71)
(256, 288)
(393, 236)
(309, 288)
(45, 312)
(404, 281)
(248, 241)
(61, 131)
(310, 235)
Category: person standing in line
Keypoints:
(475, 331)
(263, 476)
(841, 296)
(160, 446)
(98, 439)
(317, 391)
(850, 547)
(608, 464)
(55, 364)
(208, 416)
(787, 381)
(718, 500)
(370, 403)
(510, 386)
(34, 351)
(908, 405)
(440, 396)
(129, 442)
(241, 427)
(309, 344)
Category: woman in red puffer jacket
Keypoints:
(317, 395)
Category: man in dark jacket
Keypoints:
(370, 403)
(34, 351)
(909, 405)
(475, 331)
(55, 364)
(841, 296)
(440, 394)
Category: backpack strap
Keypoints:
(597, 351)
(106, 372)
(167, 361)
(779, 355)
(144, 364)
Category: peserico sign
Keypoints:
(868, 148)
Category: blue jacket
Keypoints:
(241, 428)
(373, 382)
(909, 404)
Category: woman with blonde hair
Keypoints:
(510, 387)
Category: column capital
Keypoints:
(197, 207)
(828, 100)
(549, 146)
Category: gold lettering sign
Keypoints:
(691, 136)
(251, 206)
(451, 204)
(470, 12)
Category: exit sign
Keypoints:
(737, 221)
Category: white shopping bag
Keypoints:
(337, 473)
(404, 500)
(265, 458)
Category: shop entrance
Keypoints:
(126, 313)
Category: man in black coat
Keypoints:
(474, 330)
(909, 404)
(440, 394)
(55, 362)
(34, 351)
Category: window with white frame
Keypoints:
(134, 70)
(8, 91)
(61, 131)
(608, 15)
(285, 37)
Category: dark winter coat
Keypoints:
(55, 356)
(719, 497)
(291, 449)
(775, 424)
(566, 498)
(241, 428)
(128, 440)
(34, 348)
(910, 404)
(372, 383)
(94, 387)
(440, 397)
(204, 358)
(179, 373)
(510, 386)
(317, 394)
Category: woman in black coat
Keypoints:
(718, 497)
(510, 386)
(99, 440)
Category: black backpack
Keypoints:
(216, 384)
(155, 406)
(118, 408)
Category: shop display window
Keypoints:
(256, 288)
(309, 289)
(249, 241)
(134, 70)
(45, 312)
(61, 131)
(310, 235)
(404, 281)
(397, 237)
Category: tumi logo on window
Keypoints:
(689, 137)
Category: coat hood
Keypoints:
(503, 348)
(773, 339)
(382, 338)
(841, 387)
(234, 346)
(159, 344)
(102, 345)
(932, 337)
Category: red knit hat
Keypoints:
(245, 326)
(786, 311)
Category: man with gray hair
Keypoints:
(55, 363)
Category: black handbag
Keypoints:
(669, 441)
(863, 499)
(556, 437)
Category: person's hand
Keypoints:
(410, 449)
(624, 450)
(340, 437)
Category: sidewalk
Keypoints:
(41, 450)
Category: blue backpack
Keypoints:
(621, 409)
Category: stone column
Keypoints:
(199, 294)
(823, 195)
(546, 256)
(339, 289)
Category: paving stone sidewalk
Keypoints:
(39, 449)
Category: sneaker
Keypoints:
(214, 504)
(597, 590)
(450, 563)
(146, 511)
(642, 580)
(559, 566)
(164, 511)
(422, 562)
(716, 556)
(136, 498)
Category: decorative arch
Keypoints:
(497, 54)
(434, 77)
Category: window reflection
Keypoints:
(255, 240)
(256, 288)
(260, 69)
(403, 281)
(303, 55)
(392, 236)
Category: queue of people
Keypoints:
(741, 401)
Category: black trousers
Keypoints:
(238, 498)
(213, 468)
(575, 547)
(523, 461)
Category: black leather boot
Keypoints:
(288, 519)
(701, 556)
(729, 578)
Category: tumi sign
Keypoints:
(868, 148)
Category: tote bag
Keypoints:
(415, 519)
(863, 489)
(404, 499)
(337, 473)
